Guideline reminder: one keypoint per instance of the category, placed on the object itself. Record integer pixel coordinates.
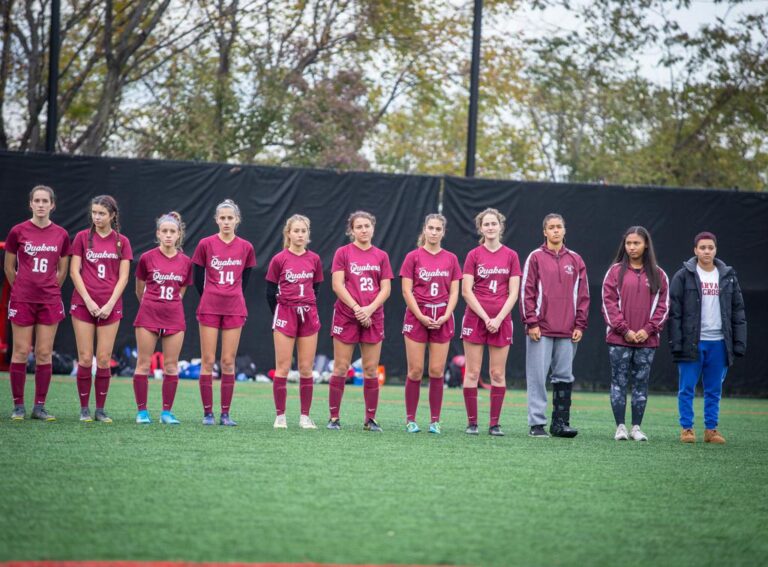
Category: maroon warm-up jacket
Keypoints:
(633, 307)
(554, 292)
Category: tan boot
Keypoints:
(713, 436)
(688, 436)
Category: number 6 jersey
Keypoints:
(363, 272)
(224, 263)
(38, 251)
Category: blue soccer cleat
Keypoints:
(209, 419)
(143, 417)
(226, 420)
(168, 418)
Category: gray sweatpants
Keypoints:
(548, 353)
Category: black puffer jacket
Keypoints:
(685, 312)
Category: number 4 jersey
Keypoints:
(100, 267)
(363, 272)
(224, 263)
(161, 306)
(492, 270)
(38, 251)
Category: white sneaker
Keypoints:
(280, 422)
(621, 433)
(638, 435)
(305, 422)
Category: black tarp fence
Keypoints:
(596, 217)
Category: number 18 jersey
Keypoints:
(161, 305)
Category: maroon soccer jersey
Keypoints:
(38, 251)
(294, 276)
(432, 274)
(100, 267)
(492, 271)
(224, 264)
(363, 272)
(161, 305)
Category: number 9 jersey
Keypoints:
(100, 268)
(224, 263)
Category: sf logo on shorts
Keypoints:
(280, 323)
(337, 330)
(407, 328)
(12, 313)
(466, 331)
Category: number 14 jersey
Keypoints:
(224, 263)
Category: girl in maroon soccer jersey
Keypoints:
(162, 277)
(101, 259)
(223, 264)
(361, 281)
(490, 288)
(430, 280)
(293, 278)
(36, 257)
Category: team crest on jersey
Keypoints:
(94, 257)
(293, 277)
(483, 272)
(358, 269)
(161, 278)
(218, 264)
(569, 269)
(426, 275)
(32, 250)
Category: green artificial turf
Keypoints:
(122, 491)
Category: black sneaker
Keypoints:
(334, 424)
(495, 430)
(371, 425)
(471, 429)
(538, 431)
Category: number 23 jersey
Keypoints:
(363, 272)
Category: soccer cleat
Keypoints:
(621, 433)
(412, 427)
(305, 422)
(687, 436)
(39, 412)
(371, 425)
(143, 417)
(209, 419)
(167, 418)
(85, 415)
(19, 413)
(280, 422)
(538, 431)
(434, 427)
(224, 419)
(713, 436)
(472, 429)
(334, 424)
(495, 431)
(101, 416)
(638, 435)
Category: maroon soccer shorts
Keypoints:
(81, 313)
(26, 314)
(296, 320)
(348, 329)
(221, 321)
(473, 330)
(415, 331)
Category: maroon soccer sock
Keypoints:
(371, 397)
(140, 389)
(412, 391)
(470, 402)
(306, 388)
(497, 401)
(335, 393)
(84, 385)
(103, 377)
(170, 383)
(206, 392)
(435, 397)
(280, 393)
(43, 374)
(18, 373)
(227, 391)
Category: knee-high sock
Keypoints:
(497, 402)
(18, 372)
(412, 391)
(84, 385)
(335, 393)
(227, 391)
(306, 387)
(371, 397)
(206, 392)
(140, 389)
(280, 393)
(43, 374)
(103, 377)
(170, 383)
(435, 397)
(470, 402)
